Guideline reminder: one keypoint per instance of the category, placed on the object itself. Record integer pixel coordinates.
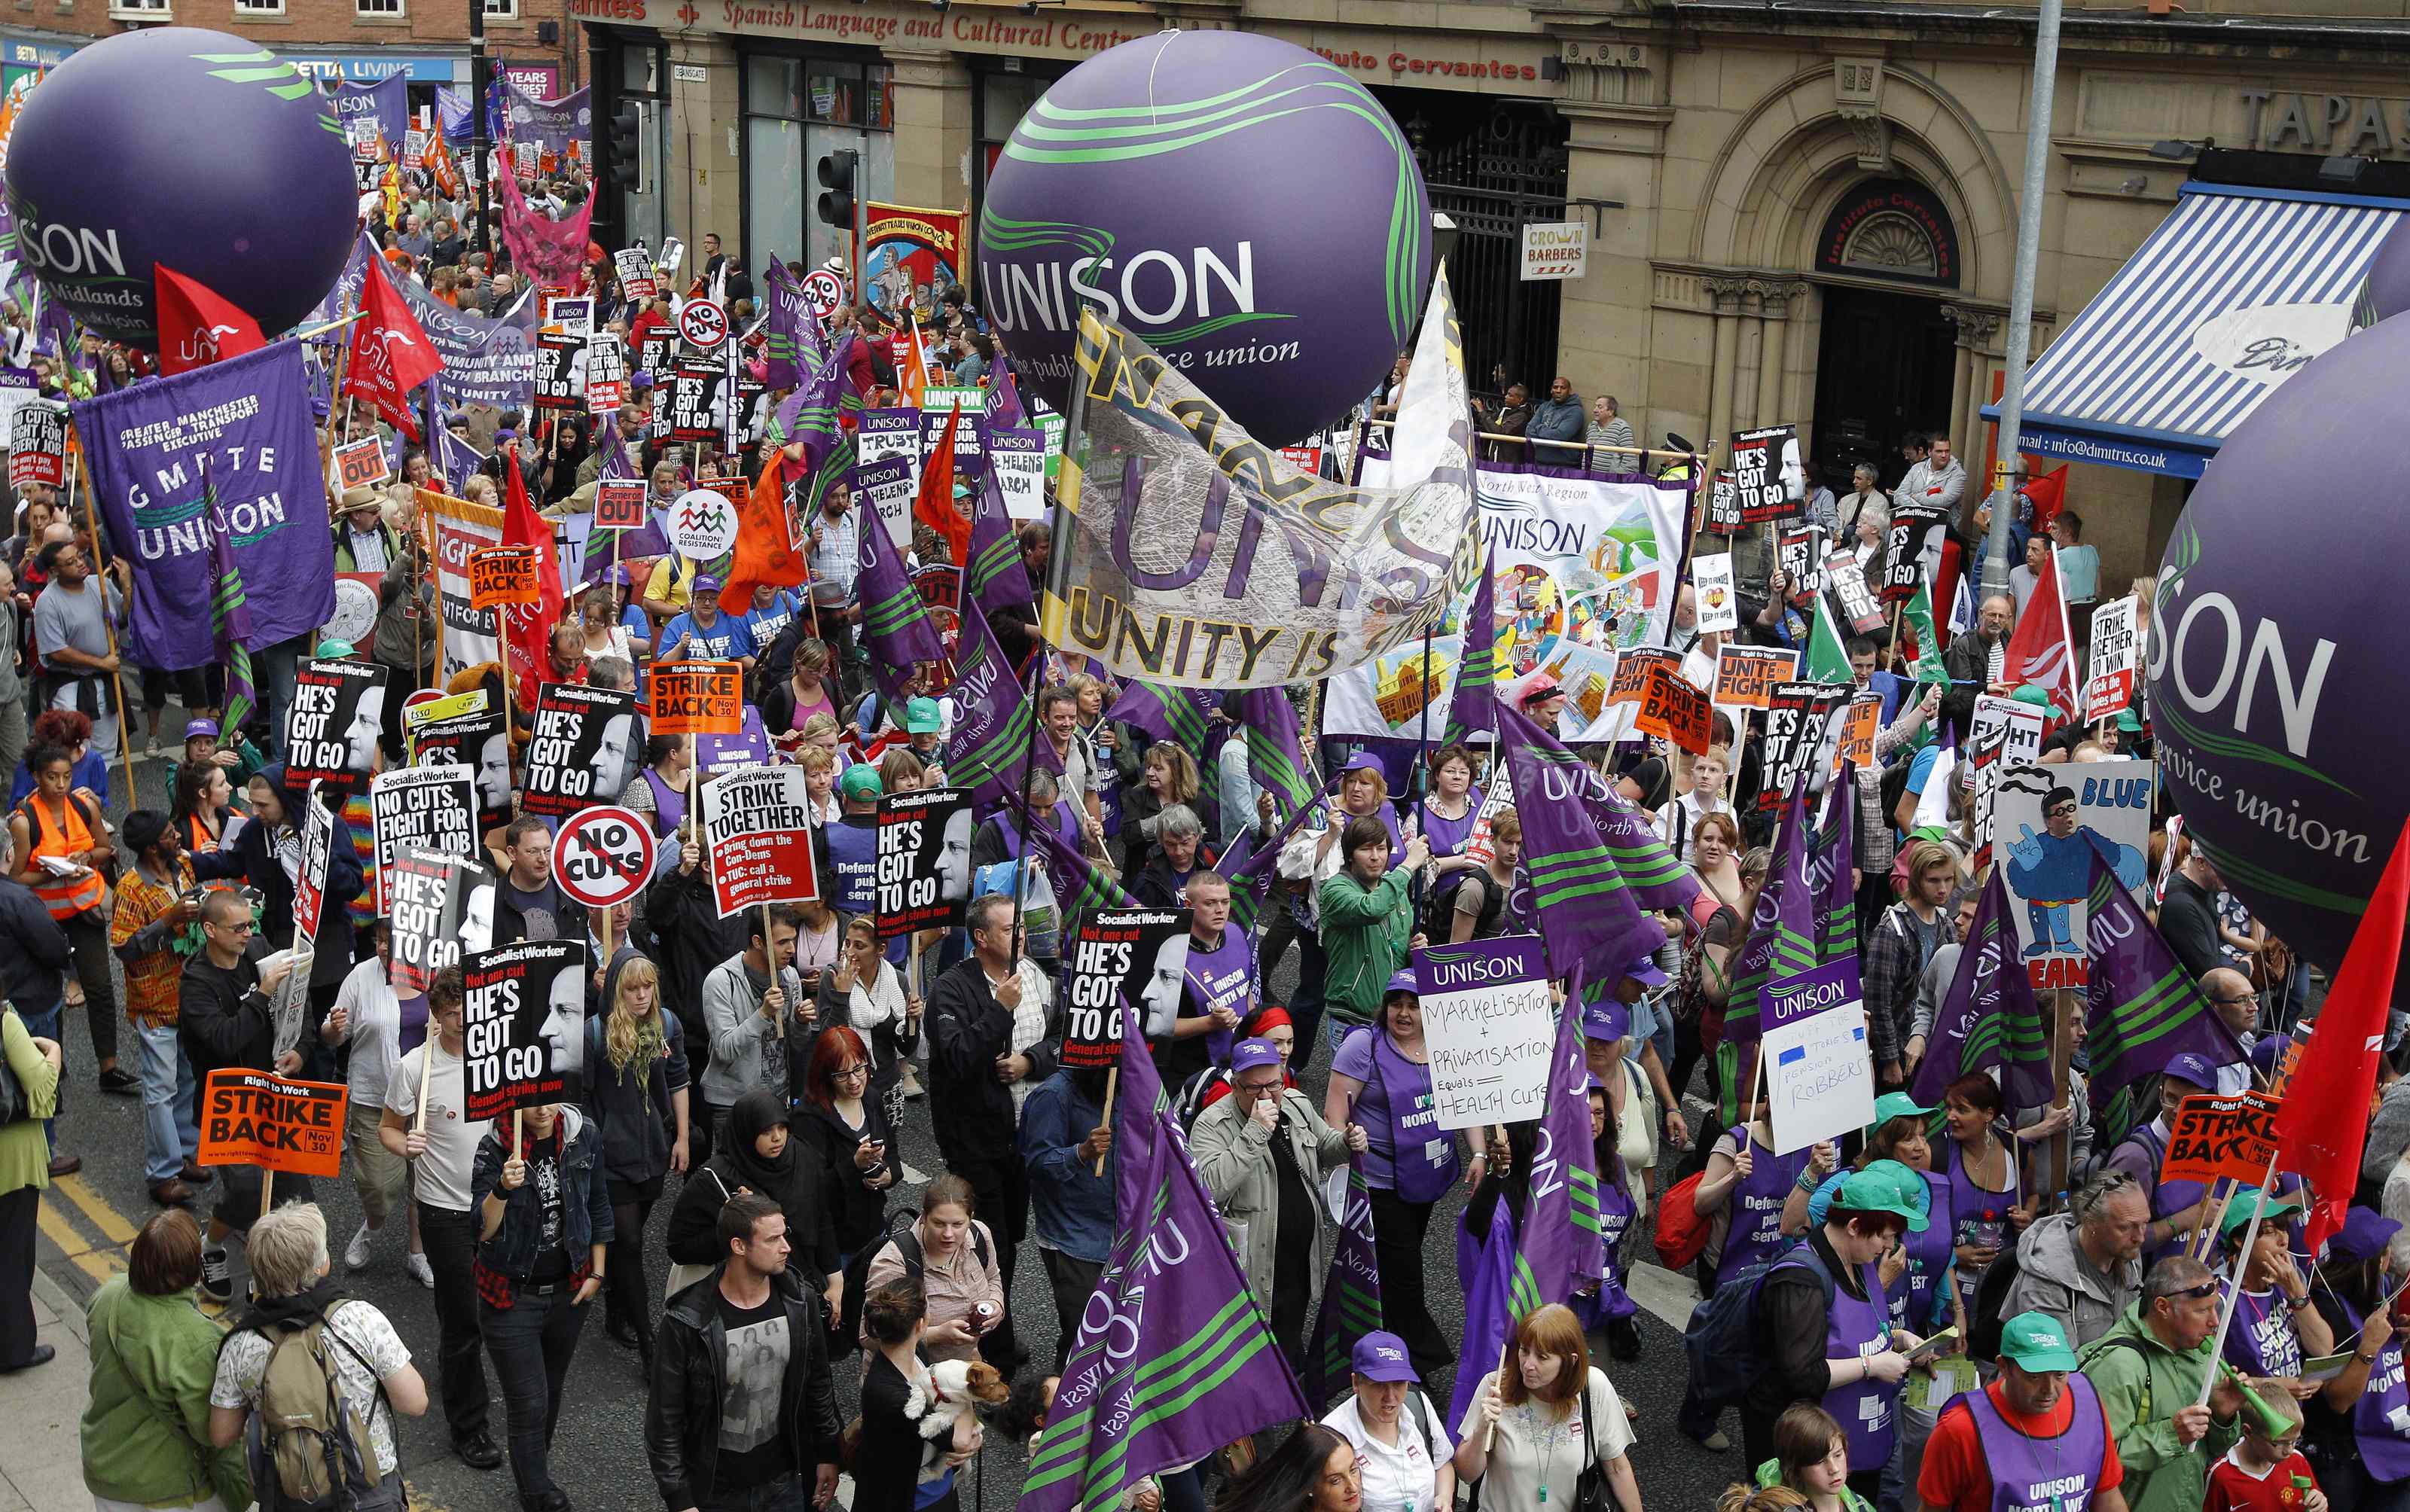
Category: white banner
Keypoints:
(461, 527)
(1572, 553)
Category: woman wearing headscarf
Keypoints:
(761, 1156)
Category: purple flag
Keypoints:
(2141, 1009)
(1139, 1102)
(989, 747)
(1003, 404)
(1476, 704)
(251, 415)
(996, 580)
(894, 624)
(1351, 1296)
(1276, 757)
(1183, 716)
(1561, 1251)
(789, 344)
(1587, 913)
(1174, 1356)
(1649, 868)
(1835, 859)
(1990, 1017)
(1485, 1270)
(640, 545)
(1781, 943)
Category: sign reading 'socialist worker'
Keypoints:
(924, 861)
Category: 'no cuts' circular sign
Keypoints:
(823, 291)
(703, 324)
(602, 856)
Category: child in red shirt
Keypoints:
(2266, 1472)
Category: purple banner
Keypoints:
(1785, 1000)
(386, 102)
(250, 417)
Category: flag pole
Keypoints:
(2234, 1293)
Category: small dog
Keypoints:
(954, 1387)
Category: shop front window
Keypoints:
(797, 112)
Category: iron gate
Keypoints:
(1494, 172)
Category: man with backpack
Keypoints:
(2148, 1369)
(311, 1380)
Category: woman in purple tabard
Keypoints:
(1381, 1079)
(669, 760)
(2274, 1327)
(1445, 816)
(1742, 1189)
(2357, 1428)
(1981, 1164)
(1610, 1305)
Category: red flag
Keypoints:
(198, 326)
(933, 505)
(2041, 651)
(2322, 1136)
(527, 631)
(765, 548)
(2048, 493)
(390, 354)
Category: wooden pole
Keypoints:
(2200, 1219)
(267, 1190)
(1489, 1432)
(2062, 1055)
(425, 1075)
(1113, 1082)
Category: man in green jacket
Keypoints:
(1368, 924)
(2148, 1369)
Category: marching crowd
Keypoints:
(1972, 1303)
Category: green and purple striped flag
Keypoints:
(1990, 1017)
(229, 614)
(1783, 941)
(2141, 1009)
(1351, 1296)
(996, 580)
(1587, 911)
(1475, 703)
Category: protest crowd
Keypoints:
(674, 773)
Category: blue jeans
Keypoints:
(170, 1134)
(43, 1023)
(788, 1493)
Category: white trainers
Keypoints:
(355, 1254)
(217, 1273)
(421, 1271)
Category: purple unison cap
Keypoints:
(1249, 1054)
(1382, 1356)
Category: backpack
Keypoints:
(1894, 787)
(1721, 1339)
(1190, 1101)
(847, 1325)
(1987, 1314)
(1682, 1229)
(309, 1450)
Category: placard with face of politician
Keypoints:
(585, 750)
(523, 1024)
(334, 724)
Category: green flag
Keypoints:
(1919, 615)
(1828, 655)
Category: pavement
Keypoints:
(87, 1221)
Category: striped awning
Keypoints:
(2236, 290)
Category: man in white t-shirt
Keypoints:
(1400, 1437)
(1678, 821)
(442, 1149)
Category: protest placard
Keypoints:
(425, 895)
(423, 807)
(361, 464)
(585, 749)
(1860, 723)
(1724, 504)
(620, 505)
(289, 1005)
(2116, 659)
(758, 829)
(697, 698)
(1799, 555)
(602, 856)
(607, 374)
(1833, 986)
(1746, 675)
(573, 313)
(1018, 459)
(1795, 716)
(939, 586)
(1904, 543)
(924, 861)
(503, 577)
(426, 707)
(2047, 822)
(1133, 957)
(252, 1118)
(1489, 1028)
(1765, 471)
(1672, 707)
(1820, 1079)
(560, 370)
(635, 265)
(1632, 669)
(1847, 580)
(334, 724)
(2222, 1134)
(2005, 733)
(522, 1026)
(882, 490)
(37, 445)
(1711, 587)
(696, 400)
(479, 743)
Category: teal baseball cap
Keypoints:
(2250, 1199)
(1884, 1186)
(1893, 1105)
(2036, 1343)
(922, 717)
(859, 783)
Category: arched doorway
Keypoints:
(1886, 361)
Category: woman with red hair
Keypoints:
(846, 1129)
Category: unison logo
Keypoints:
(1170, 296)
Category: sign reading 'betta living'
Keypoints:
(1140, 181)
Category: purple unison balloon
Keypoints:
(2385, 288)
(1239, 203)
(185, 147)
(2275, 666)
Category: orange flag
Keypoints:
(912, 373)
(766, 550)
(933, 505)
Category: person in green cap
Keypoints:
(2036, 1437)
(2148, 1371)
(1823, 1326)
(2274, 1327)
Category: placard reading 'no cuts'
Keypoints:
(522, 1026)
(251, 1118)
(602, 857)
(1137, 957)
(1489, 1027)
(757, 824)
(924, 861)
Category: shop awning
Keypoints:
(2236, 290)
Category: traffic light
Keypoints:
(836, 185)
(622, 165)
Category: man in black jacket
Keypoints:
(34, 949)
(973, 1010)
(1975, 662)
(742, 1397)
(225, 1011)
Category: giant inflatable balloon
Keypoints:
(185, 147)
(2278, 682)
(1239, 202)
(2384, 290)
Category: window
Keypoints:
(380, 10)
(502, 9)
(258, 8)
(143, 9)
